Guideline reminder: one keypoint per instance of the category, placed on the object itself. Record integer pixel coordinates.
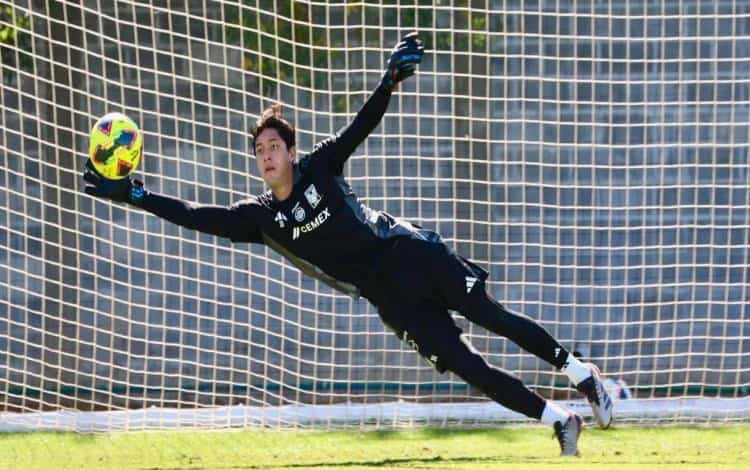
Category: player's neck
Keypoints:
(282, 191)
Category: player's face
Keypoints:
(273, 158)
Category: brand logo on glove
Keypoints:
(137, 193)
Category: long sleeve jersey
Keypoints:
(322, 228)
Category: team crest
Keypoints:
(281, 219)
(299, 213)
(312, 196)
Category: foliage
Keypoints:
(302, 43)
(15, 42)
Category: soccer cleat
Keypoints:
(568, 433)
(596, 394)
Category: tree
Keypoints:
(15, 42)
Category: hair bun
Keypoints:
(272, 117)
(272, 111)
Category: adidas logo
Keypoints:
(470, 281)
(280, 219)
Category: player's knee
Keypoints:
(466, 362)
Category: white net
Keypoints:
(593, 156)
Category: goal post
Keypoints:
(592, 156)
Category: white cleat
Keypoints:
(568, 433)
(596, 394)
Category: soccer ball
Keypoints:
(115, 146)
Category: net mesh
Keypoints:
(593, 156)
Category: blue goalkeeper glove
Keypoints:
(123, 190)
(402, 62)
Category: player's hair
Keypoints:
(272, 119)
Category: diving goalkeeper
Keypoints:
(311, 216)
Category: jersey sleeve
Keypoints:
(237, 222)
(335, 150)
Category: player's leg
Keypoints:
(482, 309)
(485, 311)
(458, 284)
(461, 286)
(463, 360)
(430, 331)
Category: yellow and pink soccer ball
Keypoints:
(115, 146)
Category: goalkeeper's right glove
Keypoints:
(402, 62)
(123, 190)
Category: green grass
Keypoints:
(509, 447)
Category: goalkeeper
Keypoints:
(311, 216)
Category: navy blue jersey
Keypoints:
(321, 227)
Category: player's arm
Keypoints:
(401, 65)
(221, 221)
(229, 222)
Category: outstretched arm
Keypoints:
(401, 64)
(230, 222)
(337, 149)
(221, 221)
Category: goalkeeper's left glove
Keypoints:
(123, 190)
(401, 63)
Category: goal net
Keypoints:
(593, 156)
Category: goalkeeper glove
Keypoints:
(123, 190)
(401, 63)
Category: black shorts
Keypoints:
(422, 281)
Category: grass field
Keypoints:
(509, 447)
